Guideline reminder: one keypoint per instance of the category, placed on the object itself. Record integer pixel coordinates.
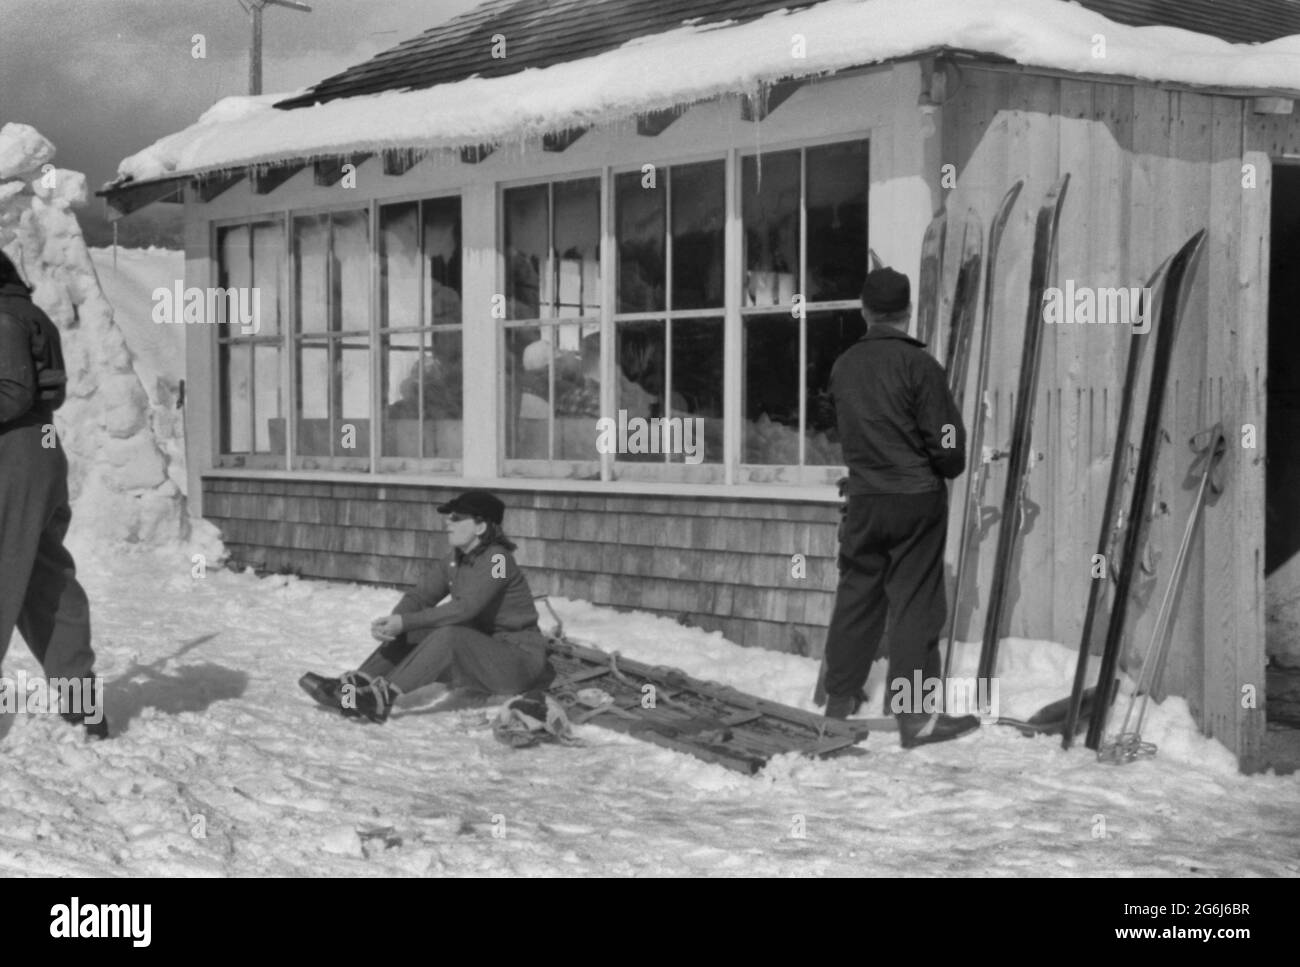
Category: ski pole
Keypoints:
(1128, 745)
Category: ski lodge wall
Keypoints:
(716, 545)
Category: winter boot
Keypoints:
(363, 696)
(923, 728)
(323, 690)
(98, 729)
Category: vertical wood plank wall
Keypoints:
(722, 565)
(1148, 168)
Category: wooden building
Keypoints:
(442, 315)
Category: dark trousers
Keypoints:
(505, 663)
(39, 592)
(891, 573)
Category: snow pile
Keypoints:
(698, 62)
(220, 766)
(124, 485)
(128, 280)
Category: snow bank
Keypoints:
(128, 280)
(121, 479)
(698, 62)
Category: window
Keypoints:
(670, 230)
(420, 331)
(250, 263)
(804, 214)
(552, 336)
(332, 344)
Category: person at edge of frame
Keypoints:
(39, 591)
(484, 640)
(903, 437)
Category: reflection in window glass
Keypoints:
(353, 361)
(771, 391)
(268, 258)
(640, 354)
(234, 246)
(697, 381)
(400, 362)
(837, 220)
(577, 247)
(236, 397)
(351, 271)
(527, 234)
(770, 189)
(577, 390)
(313, 399)
(399, 266)
(266, 399)
(699, 220)
(528, 393)
(829, 334)
(640, 228)
(441, 245)
(311, 257)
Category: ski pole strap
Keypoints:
(1212, 445)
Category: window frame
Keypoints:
(802, 472)
(250, 459)
(432, 465)
(668, 470)
(557, 468)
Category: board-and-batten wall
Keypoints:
(1149, 167)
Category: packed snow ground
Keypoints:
(214, 737)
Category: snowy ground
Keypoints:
(213, 736)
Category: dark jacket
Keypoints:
(488, 592)
(892, 405)
(33, 377)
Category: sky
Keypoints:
(104, 78)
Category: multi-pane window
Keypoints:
(331, 253)
(552, 335)
(250, 265)
(805, 236)
(670, 231)
(420, 329)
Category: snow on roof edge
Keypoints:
(691, 64)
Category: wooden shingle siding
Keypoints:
(721, 565)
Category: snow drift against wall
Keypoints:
(698, 62)
(120, 477)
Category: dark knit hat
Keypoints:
(886, 291)
(475, 503)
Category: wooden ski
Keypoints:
(975, 468)
(1049, 217)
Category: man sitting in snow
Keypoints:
(902, 435)
(39, 592)
(484, 639)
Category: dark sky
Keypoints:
(104, 78)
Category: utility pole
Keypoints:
(254, 8)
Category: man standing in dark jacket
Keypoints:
(903, 437)
(39, 592)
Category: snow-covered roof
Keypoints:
(701, 61)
